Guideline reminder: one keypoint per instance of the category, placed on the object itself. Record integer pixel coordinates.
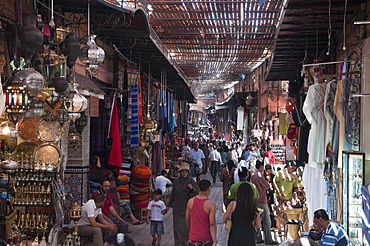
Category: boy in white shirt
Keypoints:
(156, 210)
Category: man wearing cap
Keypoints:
(184, 188)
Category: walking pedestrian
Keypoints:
(227, 178)
(215, 159)
(156, 209)
(244, 217)
(184, 188)
(258, 179)
(201, 217)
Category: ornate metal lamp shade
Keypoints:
(16, 102)
(75, 106)
(81, 122)
(92, 55)
(75, 213)
(30, 79)
(132, 76)
(70, 47)
(62, 115)
(36, 108)
(30, 36)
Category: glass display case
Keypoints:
(353, 180)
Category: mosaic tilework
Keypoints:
(76, 184)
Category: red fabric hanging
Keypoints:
(115, 156)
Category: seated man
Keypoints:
(333, 234)
(88, 226)
(163, 183)
(108, 210)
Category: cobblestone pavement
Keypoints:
(142, 237)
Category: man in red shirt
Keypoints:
(201, 217)
(108, 210)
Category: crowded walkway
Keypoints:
(142, 237)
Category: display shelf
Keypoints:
(353, 167)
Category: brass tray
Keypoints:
(27, 148)
(27, 129)
(49, 130)
(46, 153)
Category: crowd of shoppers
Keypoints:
(255, 193)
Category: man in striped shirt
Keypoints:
(333, 233)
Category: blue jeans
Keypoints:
(266, 224)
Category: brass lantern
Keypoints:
(75, 214)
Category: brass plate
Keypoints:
(49, 130)
(27, 148)
(47, 153)
(27, 129)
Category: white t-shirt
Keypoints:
(197, 155)
(156, 208)
(161, 182)
(214, 155)
(89, 209)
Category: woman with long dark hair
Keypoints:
(244, 217)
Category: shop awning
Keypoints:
(237, 99)
(87, 87)
(128, 29)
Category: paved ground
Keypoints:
(142, 237)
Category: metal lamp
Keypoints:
(132, 76)
(62, 115)
(92, 55)
(81, 122)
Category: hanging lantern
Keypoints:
(132, 76)
(70, 48)
(30, 36)
(62, 115)
(36, 108)
(16, 102)
(74, 116)
(60, 35)
(92, 55)
(60, 84)
(30, 79)
(77, 104)
(81, 122)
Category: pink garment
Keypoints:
(199, 221)
(259, 180)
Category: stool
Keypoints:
(143, 214)
(296, 225)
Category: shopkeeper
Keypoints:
(285, 183)
(88, 225)
(109, 212)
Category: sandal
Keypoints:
(154, 242)
(138, 223)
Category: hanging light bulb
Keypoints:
(51, 22)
